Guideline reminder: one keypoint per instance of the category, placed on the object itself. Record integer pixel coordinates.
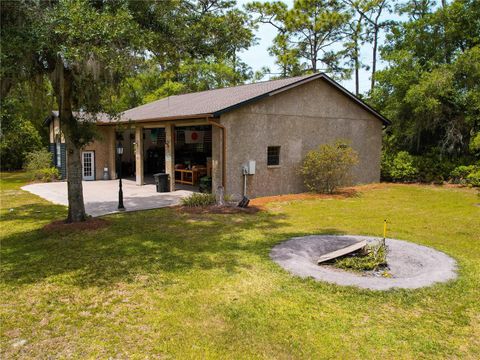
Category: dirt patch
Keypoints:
(343, 193)
(89, 224)
(218, 210)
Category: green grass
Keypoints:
(159, 284)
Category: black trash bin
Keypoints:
(162, 181)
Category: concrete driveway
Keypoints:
(101, 197)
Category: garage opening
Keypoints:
(153, 153)
(193, 158)
(127, 138)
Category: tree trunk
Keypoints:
(374, 59)
(6, 85)
(357, 78)
(357, 69)
(76, 206)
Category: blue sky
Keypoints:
(257, 56)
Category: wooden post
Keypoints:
(170, 154)
(139, 155)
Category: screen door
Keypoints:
(88, 165)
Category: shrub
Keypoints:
(385, 166)
(47, 174)
(37, 160)
(434, 168)
(373, 257)
(475, 144)
(39, 163)
(402, 168)
(474, 178)
(328, 167)
(17, 137)
(460, 173)
(199, 199)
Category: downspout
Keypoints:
(224, 149)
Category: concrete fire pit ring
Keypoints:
(411, 266)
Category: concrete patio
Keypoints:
(101, 197)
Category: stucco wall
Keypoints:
(298, 120)
(104, 147)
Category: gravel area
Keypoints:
(412, 266)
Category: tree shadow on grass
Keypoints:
(161, 242)
(34, 212)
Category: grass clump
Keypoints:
(199, 200)
(371, 258)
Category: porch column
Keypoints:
(139, 155)
(170, 154)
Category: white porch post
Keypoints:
(170, 154)
(139, 155)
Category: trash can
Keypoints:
(162, 181)
(205, 184)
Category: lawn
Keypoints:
(164, 284)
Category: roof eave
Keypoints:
(165, 118)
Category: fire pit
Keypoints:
(410, 266)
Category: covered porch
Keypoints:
(187, 150)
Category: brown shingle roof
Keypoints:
(206, 102)
(212, 103)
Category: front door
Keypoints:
(88, 165)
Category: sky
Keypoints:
(257, 56)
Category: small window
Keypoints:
(273, 155)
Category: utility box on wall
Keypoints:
(251, 167)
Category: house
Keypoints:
(251, 136)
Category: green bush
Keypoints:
(39, 163)
(460, 173)
(37, 160)
(474, 178)
(47, 174)
(475, 144)
(199, 199)
(402, 168)
(17, 137)
(434, 168)
(328, 167)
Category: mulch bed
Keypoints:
(214, 209)
(341, 194)
(89, 224)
